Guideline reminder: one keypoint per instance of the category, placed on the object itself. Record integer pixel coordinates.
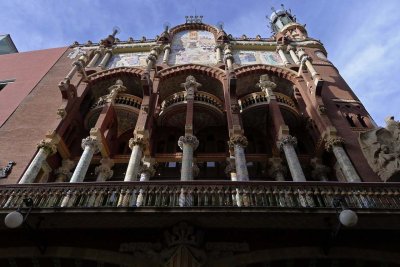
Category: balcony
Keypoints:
(204, 195)
(259, 98)
(121, 100)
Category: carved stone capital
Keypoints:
(189, 140)
(287, 140)
(235, 108)
(91, 142)
(105, 171)
(240, 140)
(138, 141)
(151, 58)
(280, 47)
(289, 47)
(48, 146)
(333, 141)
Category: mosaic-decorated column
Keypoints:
(228, 56)
(188, 144)
(167, 51)
(287, 144)
(46, 148)
(137, 144)
(335, 144)
(238, 143)
(90, 147)
(295, 58)
(95, 58)
(279, 49)
(106, 58)
(64, 171)
(276, 169)
(104, 171)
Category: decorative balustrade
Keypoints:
(259, 98)
(200, 96)
(202, 194)
(121, 99)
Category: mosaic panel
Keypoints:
(193, 47)
(245, 57)
(128, 60)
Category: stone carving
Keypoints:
(276, 169)
(64, 171)
(47, 146)
(190, 86)
(7, 169)
(137, 141)
(104, 171)
(235, 108)
(183, 234)
(148, 170)
(320, 171)
(288, 140)
(333, 141)
(381, 147)
(114, 90)
(266, 85)
(188, 139)
(240, 140)
(91, 142)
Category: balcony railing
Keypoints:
(203, 194)
(259, 98)
(121, 99)
(200, 96)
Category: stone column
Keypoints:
(95, 58)
(228, 56)
(290, 49)
(106, 58)
(152, 57)
(104, 171)
(239, 142)
(167, 50)
(335, 144)
(276, 169)
(90, 147)
(64, 171)
(190, 86)
(320, 171)
(305, 59)
(218, 53)
(137, 144)
(279, 49)
(287, 144)
(188, 144)
(78, 65)
(46, 148)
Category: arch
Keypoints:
(292, 253)
(190, 68)
(115, 72)
(277, 71)
(193, 26)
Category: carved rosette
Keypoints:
(91, 142)
(288, 140)
(137, 141)
(189, 140)
(49, 147)
(333, 141)
(240, 140)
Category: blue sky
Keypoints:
(362, 37)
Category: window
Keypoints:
(5, 82)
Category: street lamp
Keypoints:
(16, 218)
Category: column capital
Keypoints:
(289, 47)
(240, 140)
(48, 146)
(189, 140)
(287, 140)
(91, 142)
(280, 47)
(218, 46)
(138, 140)
(333, 141)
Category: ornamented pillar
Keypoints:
(228, 56)
(104, 171)
(238, 143)
(95, 58)
(46, 148)
(335, 144)
(305, 59)
(287, 144)
(90, 147)
(190, 86)
(167, 50)
(218, 53)
(114, 90)
(78, 65)
(276, 169)
(64, 172)
(279, 49)
(320, 171)
(137, 144)
(188, 144)
(290, 49)
(106, 58)
(152, 57)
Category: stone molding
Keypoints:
(189, 140)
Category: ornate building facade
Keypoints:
(199, 149)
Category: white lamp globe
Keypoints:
(14, 219)
(348, 218)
